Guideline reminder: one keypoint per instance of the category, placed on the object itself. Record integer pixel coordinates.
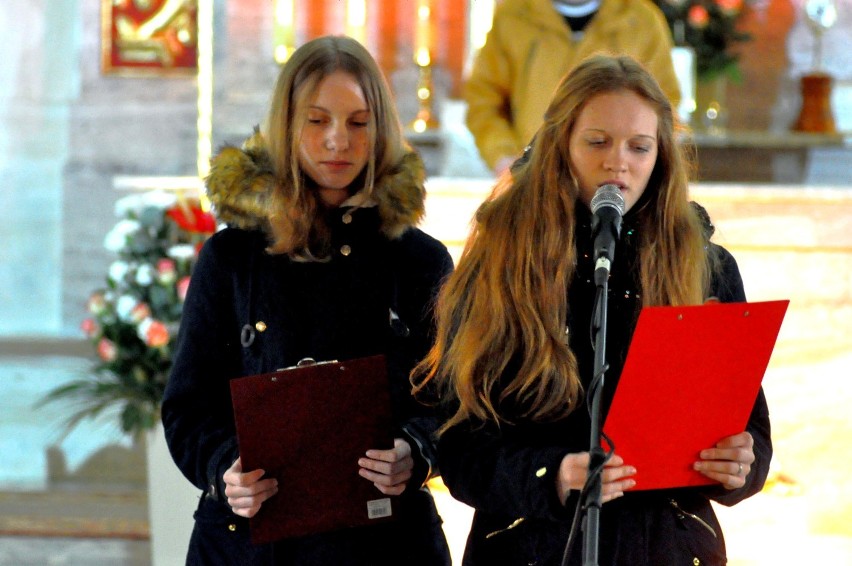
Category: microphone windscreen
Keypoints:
(608, 195)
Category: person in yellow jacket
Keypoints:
(534, 43)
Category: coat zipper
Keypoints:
(514, 524)
(701, 521)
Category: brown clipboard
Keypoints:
(690, 379)
(307, 426)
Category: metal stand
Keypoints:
(425, 119)
(592, 502)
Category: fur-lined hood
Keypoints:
(241, 181)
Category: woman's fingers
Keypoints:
(246, 492)
(729, 462)
(615, 476)
(389, 470)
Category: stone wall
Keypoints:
(122, 125)
(66, 130)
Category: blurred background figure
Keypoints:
(533, 43)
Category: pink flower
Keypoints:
(166, 271)
(140, 312)
(183, 287)
(90, 327)
(730, 7)
(97, 303)
(154, 333)
(698, 17)
(107, 350)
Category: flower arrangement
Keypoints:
(710, 28)
(134, 319)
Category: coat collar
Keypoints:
(612, 16)
(241, 181)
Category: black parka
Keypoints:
(338, 309)
(508, 474)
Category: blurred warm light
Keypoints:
(356, 20)
(481, 14)
(284, 30)
(423, 30)
(423, 58)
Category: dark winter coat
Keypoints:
(339, 309)
(508, 476)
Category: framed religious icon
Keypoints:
(149, 37)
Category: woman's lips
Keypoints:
(337, 165)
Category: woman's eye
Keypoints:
(317, 118)
(360, 124)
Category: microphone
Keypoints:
(607, 209)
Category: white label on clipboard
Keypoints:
(379, 508)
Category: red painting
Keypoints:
(149, 37)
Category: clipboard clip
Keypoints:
(306, 362)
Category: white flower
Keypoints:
(116, 239)
(125, 306)
(126, 204)
(135, 203)
(181, 251)
(160, 199)
(145, 274)
(118, 270)
(142, 329)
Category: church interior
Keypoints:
(90, 117)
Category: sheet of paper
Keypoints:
(691, 378)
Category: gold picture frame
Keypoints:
(149, 37)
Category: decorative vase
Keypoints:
(711, 111)
(683, 58)
(172, 500)
(815, 115)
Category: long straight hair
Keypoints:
(296, 222)
(507, 297)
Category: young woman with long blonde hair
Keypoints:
(514, 357)
(321, 259)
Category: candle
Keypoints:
(285, 30)
(356, 20)
(422, 37)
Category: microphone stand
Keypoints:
(607, 210)
(597, 455)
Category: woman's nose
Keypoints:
(615, 161)
(337, 138)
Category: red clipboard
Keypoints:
(307, 426)
(690, 379)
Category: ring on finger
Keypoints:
(740, 470)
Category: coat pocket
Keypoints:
(697, 538)
(522, 541)
(220, 537)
